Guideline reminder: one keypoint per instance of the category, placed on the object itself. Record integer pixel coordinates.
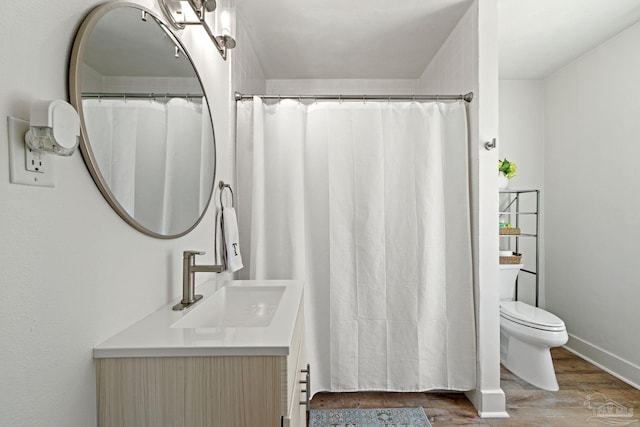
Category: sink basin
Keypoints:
(234, 318)
(235, 306)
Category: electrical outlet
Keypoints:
(19, 158)
(35, 161)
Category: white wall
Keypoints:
(521, 139)
(466, 62)
(93, 81)
(342, 86)
(247, 76)
(522, 130)
(151, 84)
(73, 272)
(592, 172)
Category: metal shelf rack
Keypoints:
(514, 197)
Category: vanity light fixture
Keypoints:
(225, 39)
(54, 127)
(209, 5)
(181, 13)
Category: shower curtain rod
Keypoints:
(140, 95)
(467, 97)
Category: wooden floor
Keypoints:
(526, 405)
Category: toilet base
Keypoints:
(530, 361)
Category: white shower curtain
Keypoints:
(368, 202)
(181, 201)
(140, 148)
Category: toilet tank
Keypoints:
(508, 275)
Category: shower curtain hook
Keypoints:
(340, 98)
(389, 99)
(364, 99)
(413, 98)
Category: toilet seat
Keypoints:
(530, 316)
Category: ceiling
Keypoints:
(354, 39)
(537, 37)
(376, 39)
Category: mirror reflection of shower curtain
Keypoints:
(139, 146)
(182, 203)
(369, 204)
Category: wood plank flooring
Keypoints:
(526, 405)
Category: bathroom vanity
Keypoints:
(236, 358)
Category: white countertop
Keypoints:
(154, 335)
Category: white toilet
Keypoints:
(526, 335)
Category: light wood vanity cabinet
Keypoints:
(204, 391)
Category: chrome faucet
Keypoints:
(189, 270)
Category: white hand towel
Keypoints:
(219, 241)
(231, 239)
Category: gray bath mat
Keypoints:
(382, 417)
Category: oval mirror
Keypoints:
(146, 130)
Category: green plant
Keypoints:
(507, 168)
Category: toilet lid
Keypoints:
(528, 315)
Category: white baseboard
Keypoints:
(488, 403)
(608, 362)
(493, 414)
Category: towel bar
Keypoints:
(222, 186)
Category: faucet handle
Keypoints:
(191, 254)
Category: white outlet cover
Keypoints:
(18, 173)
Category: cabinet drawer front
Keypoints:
(218, 391)
(294, 418)
(297, 415)
(290, 370)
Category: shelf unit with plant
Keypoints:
(511, 199)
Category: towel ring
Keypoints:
(222, 186)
